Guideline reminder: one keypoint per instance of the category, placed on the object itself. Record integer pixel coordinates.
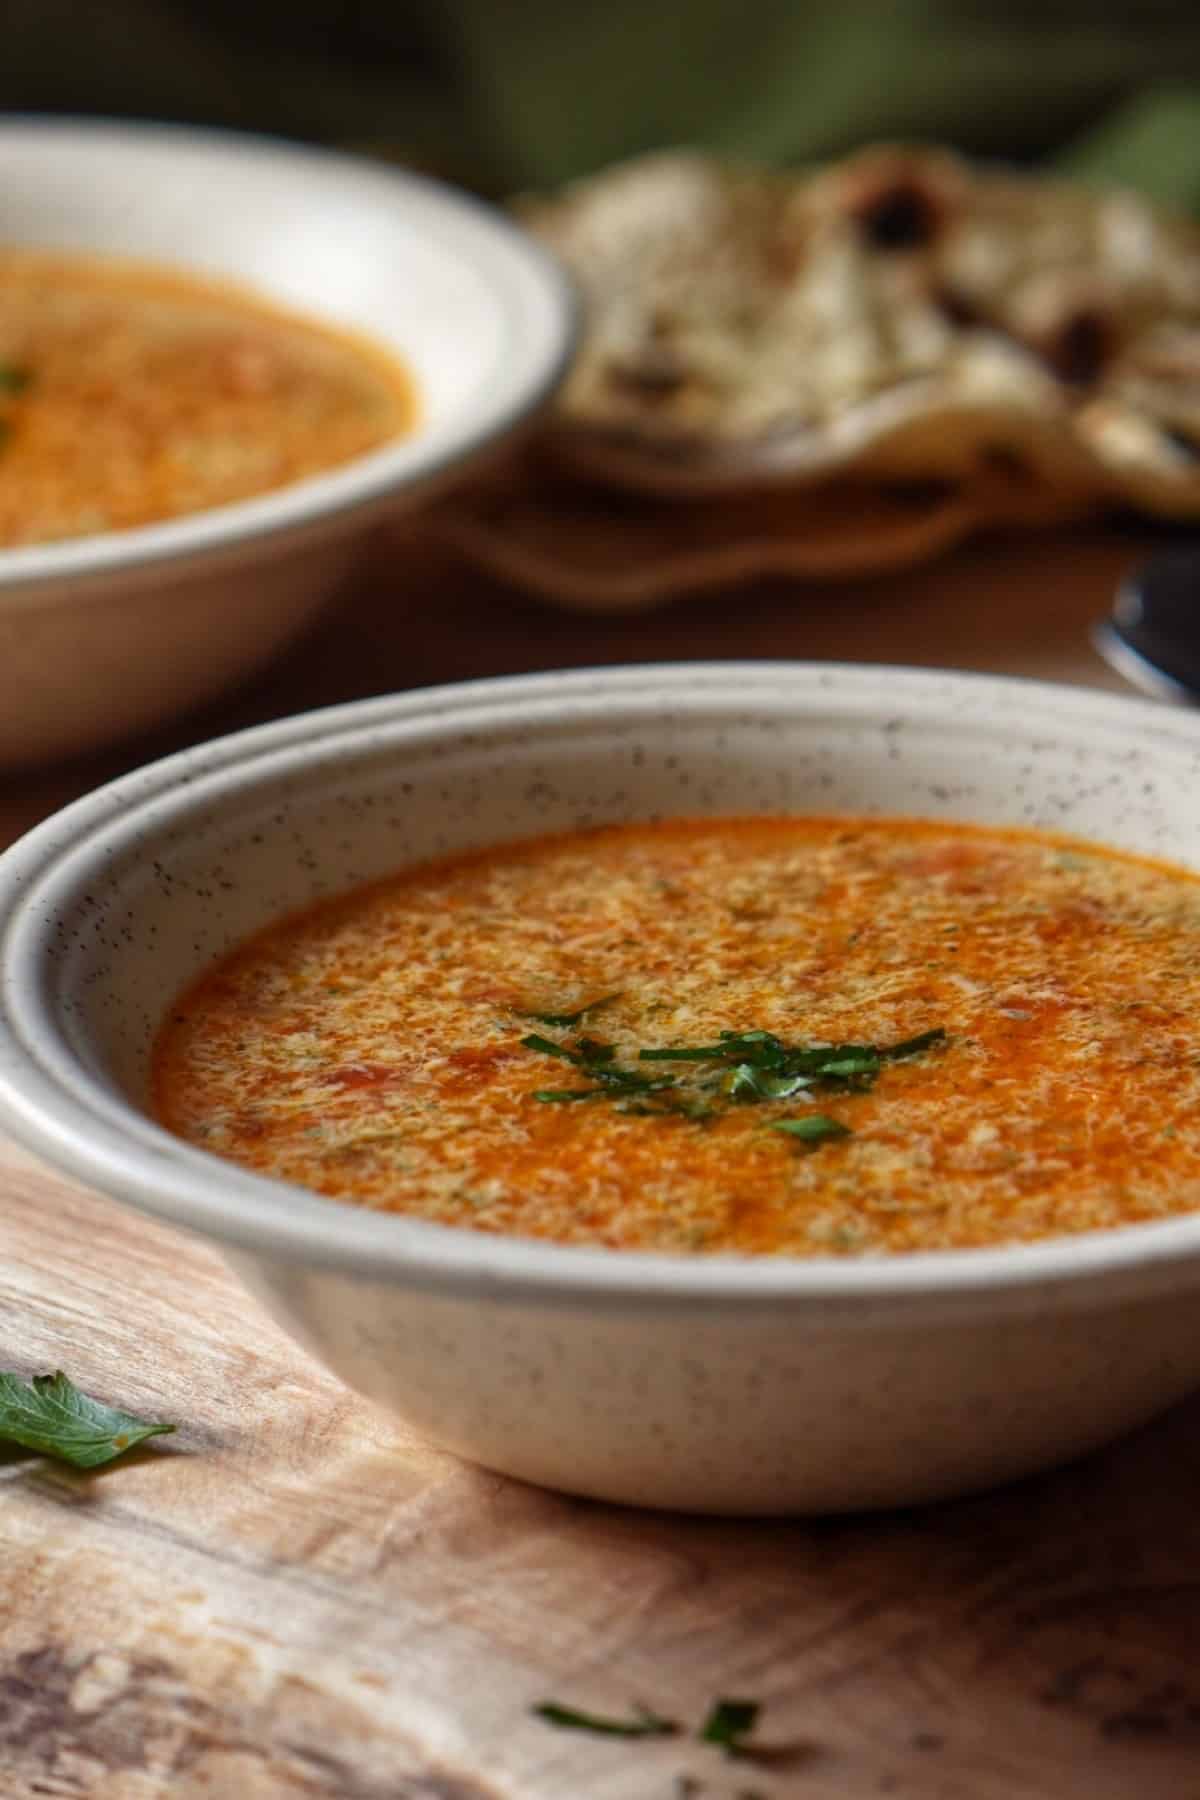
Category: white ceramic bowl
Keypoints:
(103, 635)
(711, 1383)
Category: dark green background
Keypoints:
(513, 93)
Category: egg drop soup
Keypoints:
(774, 1036)
(131, 395)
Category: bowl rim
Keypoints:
(541, 310)
(51, 1103)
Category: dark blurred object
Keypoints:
(509, 93)
(1153, 635)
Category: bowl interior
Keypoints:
(212, 860)
(478, 313)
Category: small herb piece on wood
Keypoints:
(14, 379)
(728, 1723)
(813, 1128)
(50, 1415)
(644, 1724)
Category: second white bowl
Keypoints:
(104, 635)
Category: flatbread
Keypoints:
(591, 550)
(901, 315)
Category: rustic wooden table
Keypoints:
(294, 1597)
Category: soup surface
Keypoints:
(798, 1036)
(130, 395)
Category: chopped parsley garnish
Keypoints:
(813, 1128)
(593, 1059)
(51, 1416)
(14, 378)
(729, 1722)
(547, 1048)
(550, 1095)
(568, 1020)
(913, 1046)
(644, 1724)
(745, 1082)
(752, 1066)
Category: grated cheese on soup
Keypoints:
(788, 1036)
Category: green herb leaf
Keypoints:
(50, 1415)
(566, 1020)
(752, 1065)
(569, 1718)
(745, 1082)
(547, 1048)
(845, 1068)
(813, 1128)
(14, 379)
(913, 1046)
(594, 1093)
(628, 1082)
(728, 1723)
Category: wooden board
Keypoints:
(294, 1597)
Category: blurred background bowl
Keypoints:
(104, 635)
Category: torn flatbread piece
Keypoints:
(900, 315)
(590, 550)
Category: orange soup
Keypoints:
(788, 1036)
(130, 395)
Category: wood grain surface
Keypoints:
(295, 1597)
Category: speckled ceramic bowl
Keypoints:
(719, 1384)
(104, 635)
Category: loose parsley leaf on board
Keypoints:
(14, 379)
(728, 1723)
(644, 1724)
(50, 1415)
(813, 1128)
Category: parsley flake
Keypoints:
(547, 1048)
(728, 1723)
(569, 1718)
(913, 1046)
(567, 1020)
(813, 1128)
